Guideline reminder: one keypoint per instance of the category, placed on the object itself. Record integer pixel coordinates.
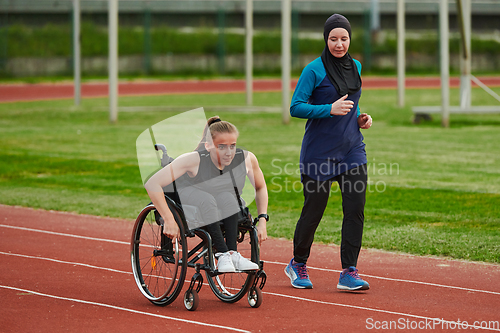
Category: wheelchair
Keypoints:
(160, 264)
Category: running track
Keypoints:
(64, 272)
(67, 272)
(23, 92)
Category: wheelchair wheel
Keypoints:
(159, 264)
(231, 287)
(255, 297)
(191, 300)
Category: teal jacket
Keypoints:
(331, 144)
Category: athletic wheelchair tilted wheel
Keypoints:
(160, 264)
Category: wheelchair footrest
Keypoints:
(196, 280)
(260, 279)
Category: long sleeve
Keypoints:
(311, 77)
(332, 144)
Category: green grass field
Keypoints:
(433, 191)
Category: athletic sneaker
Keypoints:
(297, 272)
(350, 280)
(242, 264)
(225, 263)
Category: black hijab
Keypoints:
(342, 72)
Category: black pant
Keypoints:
(231, 229)
(352, 185)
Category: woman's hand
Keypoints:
(171, 229)
(262, 230)
(341, 107)
(364, 121)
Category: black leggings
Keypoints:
(231, 229)
(352, 185)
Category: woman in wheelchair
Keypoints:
(210, 178)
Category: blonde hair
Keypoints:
(213, 127)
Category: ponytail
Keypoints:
(213, 127)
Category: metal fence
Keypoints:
(36, 36)
(260, 6)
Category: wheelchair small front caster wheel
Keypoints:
(255, 297)
(191, 300)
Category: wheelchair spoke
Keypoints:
(157, 265)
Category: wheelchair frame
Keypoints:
(160, 264)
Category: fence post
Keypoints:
(444, 63)
(147, 40)
(113, 59)
(401, 63)
(286, 27)
(221, 47)
(76, 52)
(249, 52)
(367, 42)
(295, 39)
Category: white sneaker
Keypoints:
(243, 264)
(224, 262)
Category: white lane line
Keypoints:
(65, 235)
(65, 262)
(438, 321)
(267, 262)
(123, 309)
(435, 321)
(396, 280)
(82, 264)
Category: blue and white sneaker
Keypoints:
(297, 273)
(350, 280)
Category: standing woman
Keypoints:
(327, 95)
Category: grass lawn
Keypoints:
(432, 191)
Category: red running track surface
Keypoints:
(67, 272)
(24, 92)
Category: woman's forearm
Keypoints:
(261, 200)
